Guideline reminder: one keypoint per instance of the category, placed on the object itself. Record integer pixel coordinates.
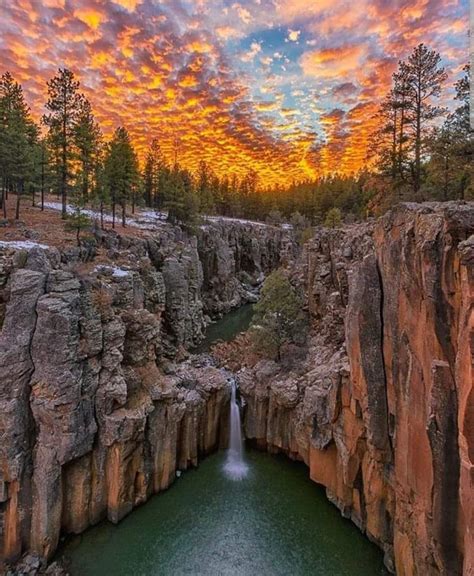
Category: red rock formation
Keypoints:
(385, 422)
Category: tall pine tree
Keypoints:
(64, 106)
(121, 171)
(18, 138)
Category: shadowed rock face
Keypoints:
(95, 415)
(381, 410)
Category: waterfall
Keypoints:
(235, 467)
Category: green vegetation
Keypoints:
(419, 152)
(278, 316)
(77, 222)
(121, 172)
(333, 218)
(18, 141)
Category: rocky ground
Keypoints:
(102, 405)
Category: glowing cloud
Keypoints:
(287, 88)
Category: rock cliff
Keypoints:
(100, 404)
(381, 408)
(96, 413)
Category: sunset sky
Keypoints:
(287, 88)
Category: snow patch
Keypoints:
(145, 221)
(22, 245)
(237, 220)
(115, 270)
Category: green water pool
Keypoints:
(226, 328)
(275, 522)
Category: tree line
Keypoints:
(419, 152)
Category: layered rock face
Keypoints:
(95, 414)
(381, 408)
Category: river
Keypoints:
(226, 328)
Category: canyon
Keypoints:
(101, 403)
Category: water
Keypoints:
(226, 328)
(275, 522)
(235, 467)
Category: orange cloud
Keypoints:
(332, 63)
(188, 73)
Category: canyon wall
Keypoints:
(96, 411)
(381, 406)
(100, 404)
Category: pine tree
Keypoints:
(77, 222)
(153, 175)
(181, 200)
(451, 149)
(64, 105)
(278, 317)
(425, 78)
(100, 189)
(18, 138)
(333, 218)
(87, 139)
(121, 171)
(204, 190)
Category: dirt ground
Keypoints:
(46, 227)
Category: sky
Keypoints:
(286, 88)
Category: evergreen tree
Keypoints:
(77, 222)
(333, 218)
(87, 139)
(425, 78)
(451, 149)
(204, 189)
(121, 171)
(64, 106)
(181, 201)
(18, 138)
(153, 176)
(278, 317)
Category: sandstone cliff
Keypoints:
(95, 414)
(381, 409)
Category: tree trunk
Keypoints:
(113, 212)
(78, 236)
(19, 192)
(123, 215)
(446, 177)
(4, 197)
(394, 146)
(64, 170)
(417, 179)
(102, 215)
(400, 141)
(42, 178)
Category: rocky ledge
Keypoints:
(381, 405)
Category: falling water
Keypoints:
(235, 467)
